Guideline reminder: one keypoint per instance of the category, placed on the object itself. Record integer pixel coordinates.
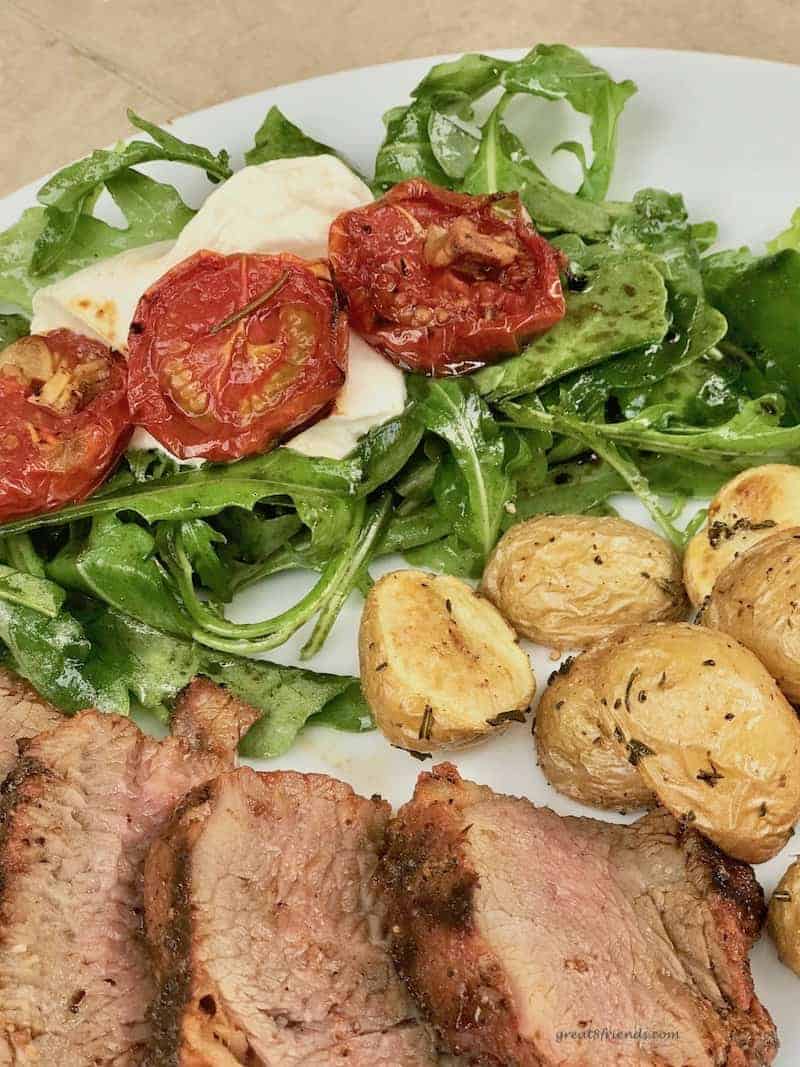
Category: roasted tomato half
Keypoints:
(64, 420)
(230, 353)
(445, 282)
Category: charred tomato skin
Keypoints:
(229, 354)
(443, 283)
(64, 420)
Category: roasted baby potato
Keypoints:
(753, 505)
(709, 731)
(756, 599)
(568, 580)
(576, 756)
(439, 664)
(783, 917)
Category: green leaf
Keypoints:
(137, 660)
(790, 238)
(153, 211)
(51, 653)
(116, 563)
(387, 448)
(503, 165)
(289, 697)
(252, 537)
(478, 484)
(348, 711)
(199, 540)
(760, 298)
(474, 74)
(406, 151)
(557, 72)
(207, 491)
(755, 431)
(12, 327)
(69, 192)
(278, 138)
(621, 306)
(30, 591)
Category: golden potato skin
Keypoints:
(756, 599)
(710, 732)
(576, 756)
(567, 581)
(783, 917)
(751, 506)
(439, 665)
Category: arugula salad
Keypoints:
(655, 366)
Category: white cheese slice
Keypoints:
(286, 205)
(373, 393)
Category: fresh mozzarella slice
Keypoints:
(286, 205)
(100, 300)
(145, 442)
(373, 393)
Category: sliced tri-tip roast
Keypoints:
(23, 715)
(268, 942)
(78, 812)
(531, 940)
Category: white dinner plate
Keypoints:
(719, 129)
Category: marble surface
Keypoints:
(69, 68)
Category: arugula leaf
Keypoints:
(449, 555)
(387, 448)
(18, 587)
(12, 327)
(278, 138)
(288, 696)
(199, 540)
(69, 193)
(620, 306)
(116, 563)
(474, 486)
(153, 210)
(755, 431)
(406, 151)
(154, 667)
(558, 72)
(51, 653)
(790, 238)
(252, 537)
(503, 165)
(207, 491)
(348, 711)
(137, 660)
(760, 298)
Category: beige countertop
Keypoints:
(69, 68)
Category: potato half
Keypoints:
(756, 599)
(576, 756)
(709, 730)
(439, 664)
(753, 505)
(783, 917)
(567, 581)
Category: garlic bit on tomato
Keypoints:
(64, 420)
(445, 282)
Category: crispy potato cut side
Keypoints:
(567, 581)
(756, 599)
(783, 917)
(753, 505)
(709, 731)
(575, 754)
(439, 664)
